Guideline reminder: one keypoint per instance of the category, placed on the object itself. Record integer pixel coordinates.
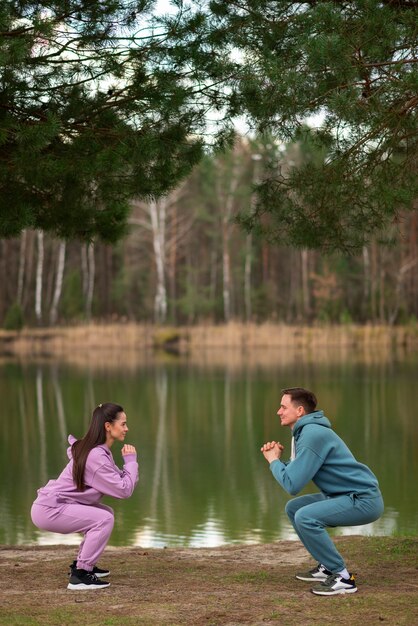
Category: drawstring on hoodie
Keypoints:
(293, 450)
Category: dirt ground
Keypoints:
(248, 584)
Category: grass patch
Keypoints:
(227, 586)
(251, 577)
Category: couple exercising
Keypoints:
(349, 492)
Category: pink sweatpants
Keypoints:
(96, 522)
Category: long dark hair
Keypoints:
(95, 436)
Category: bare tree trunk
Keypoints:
(53, 314)
(190, 280)
(158, 214)
(172, 268)
(399, 288)
(226, 272)
(213, 277)
(256, 159)
(412, 286)
(293, 313)
(382, 295)
(90, 400)
(4, 303)
(305, 284)
(84, 270)
(247, 277)
(22, 263)
(373, 274)
(88, 275)
(366, 281)
(265, 262)
(90, 279)
(382, 274)
(167, 227)
(39, 276)
(30, 256)
(226, 235)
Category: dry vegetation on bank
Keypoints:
(141, 339)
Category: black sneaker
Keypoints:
(318, 573)
(100, 573)
(81, 580)
(335, 584)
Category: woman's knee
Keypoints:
(107, 519)
(37, 519)
(105, 507)
(42, 517)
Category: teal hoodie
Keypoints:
(324, 458)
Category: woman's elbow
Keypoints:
(128, 492)
(122, 492)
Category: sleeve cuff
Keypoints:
(129, 458)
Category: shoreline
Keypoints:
(187, 340)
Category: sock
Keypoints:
(344, 573)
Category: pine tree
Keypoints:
(97, 106)
(353, 64)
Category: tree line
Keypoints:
(118, 126)
(186, 259)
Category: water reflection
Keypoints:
(41, 425)
(160, 481)
(62, 423)
(203, 481)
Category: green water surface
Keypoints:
(198, 431)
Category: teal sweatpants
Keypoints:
(310, 516)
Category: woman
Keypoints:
(71, 503)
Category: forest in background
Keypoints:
(118, 125)
(187, 260)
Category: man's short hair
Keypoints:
(302, 397)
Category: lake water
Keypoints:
(198, 429)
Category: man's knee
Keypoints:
(290, 509)
(303, 519)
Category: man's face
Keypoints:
(289, 411)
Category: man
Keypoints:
(349, 491)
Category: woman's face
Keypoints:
(116, 431)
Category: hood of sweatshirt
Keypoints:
(317, 418)
(71, 439)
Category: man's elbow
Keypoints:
(293, 490)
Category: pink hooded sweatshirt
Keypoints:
(101, 476)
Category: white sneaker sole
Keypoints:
(312, 579)
(335, 592)
(83, 587)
